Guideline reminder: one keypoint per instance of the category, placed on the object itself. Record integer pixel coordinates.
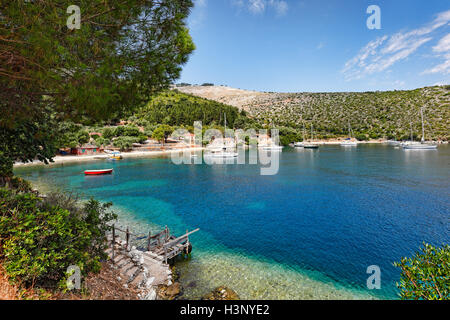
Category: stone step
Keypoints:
(126, 264)
(131, 273)
(119, 259)
(137, 280)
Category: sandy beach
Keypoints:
(132, 154)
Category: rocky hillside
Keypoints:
(373, 114)
(230, 96)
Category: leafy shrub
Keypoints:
(426, 275)
(162, 132)
(101, 141)
(362, 137)
(40, 238)
(131, 131)
(20, 184)
(108, 133)
(125, 143)
(142, 138)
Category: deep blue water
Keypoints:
(328, 213)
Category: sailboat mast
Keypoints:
(349, 129)
(423, 127)
(411, 132)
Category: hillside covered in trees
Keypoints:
(179, 109)
(372, 115)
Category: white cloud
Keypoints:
(201, 3)
(257, 6)
(443, 44)
(443, 49)
(320, 45)
(443, 68)
(383, 52)
(198, 16)
(281, 7)
(260, 6)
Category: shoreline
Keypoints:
(74, 159)
(339, 141)
(58, 159)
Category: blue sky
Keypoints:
(319, 45)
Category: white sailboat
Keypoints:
(222, 151)
(301, 144)
(269, 145)
(311, 145)
(349, 142)
(419, 145)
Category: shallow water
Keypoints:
(309, 232)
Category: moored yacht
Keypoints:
(301, 144)
(413, 145)
(222, 148)
(349, 142)
(311, 144)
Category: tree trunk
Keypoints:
(5, 181)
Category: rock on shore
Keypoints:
(221, 293)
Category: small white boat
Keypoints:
(393, 143)
(309, 145)
(349, 143)
(223, 154)
(273, 147)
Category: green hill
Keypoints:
(371, 114)
(179, 109)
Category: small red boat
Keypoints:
(98, 172)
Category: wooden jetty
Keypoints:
(146, 268)
(161, 245)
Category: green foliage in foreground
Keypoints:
(32, 138)
(426, 276)
(40, 238)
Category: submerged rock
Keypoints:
(221, 293)
(169, 292)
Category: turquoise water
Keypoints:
(309, 232)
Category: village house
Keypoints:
(86, 150)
